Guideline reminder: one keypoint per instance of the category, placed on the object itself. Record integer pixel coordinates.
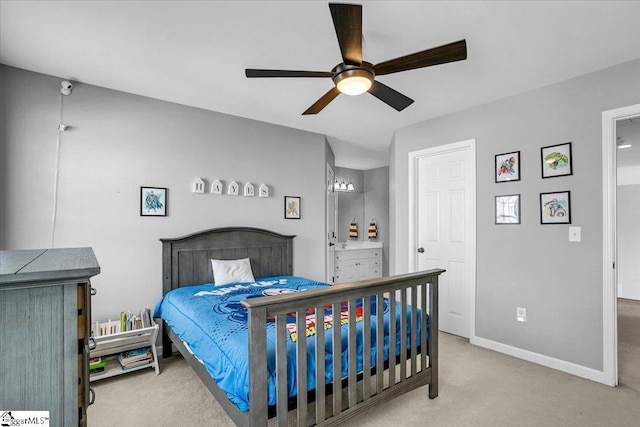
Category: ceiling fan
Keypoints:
(355, 76)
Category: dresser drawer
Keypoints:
(351, 255)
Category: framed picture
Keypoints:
(508, 209)
(555, 208)
(153, 201)
(508, 167)
(292, 207)
(556, 160)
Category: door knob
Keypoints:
(331, 244)
(421, 250)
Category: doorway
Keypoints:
(610, 238)
(628, 250)
(331, 224)
(442, 228)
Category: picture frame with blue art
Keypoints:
(153, 201)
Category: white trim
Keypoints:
(609, 290)
(550, 362)
(329, 227)
(412, 259)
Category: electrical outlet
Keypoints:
(521, 314)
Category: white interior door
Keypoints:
(445, 229)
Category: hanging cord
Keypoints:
(57, 176)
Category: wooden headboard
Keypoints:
(186, 260)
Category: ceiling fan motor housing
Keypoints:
(363, 73)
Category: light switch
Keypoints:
(574, 234)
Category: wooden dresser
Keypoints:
(45, 316)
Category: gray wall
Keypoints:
(559, 283)
(376, 205)
(350, 203)
(369, 200)
(119, 142)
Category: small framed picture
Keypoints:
(508, 167)
(555, 208)
(292, 207)
(508, 209)
(153, 201)
(556, 160)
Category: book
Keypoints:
(96, 371)
(143, 362)
(133, 356)
(123, 321)
(97, 362)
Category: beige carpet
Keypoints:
(478, 387)
(629, 343)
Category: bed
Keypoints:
(299, 380)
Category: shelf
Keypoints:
(114, 368)
(113, 344)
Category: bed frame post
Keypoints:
(433, 337)
(167, 285)
(258, 411)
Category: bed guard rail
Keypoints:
(413, 290)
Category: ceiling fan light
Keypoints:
(354, 85)
(353, 82)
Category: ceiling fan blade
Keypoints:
(322, 102)
(347, 20)
(456, 51)
(250, 72)
(389, 96)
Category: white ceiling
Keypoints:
(195, 53)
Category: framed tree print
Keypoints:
(555, 208)
(508, 167)
(153, 201)
(556, 160)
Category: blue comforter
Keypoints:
(213, 324)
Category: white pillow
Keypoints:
(231, 271)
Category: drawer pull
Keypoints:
(92, 344)
(92, 397)
(94, 291)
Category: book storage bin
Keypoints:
(110, 346)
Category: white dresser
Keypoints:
(357, 261)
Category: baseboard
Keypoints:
(549, 362)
